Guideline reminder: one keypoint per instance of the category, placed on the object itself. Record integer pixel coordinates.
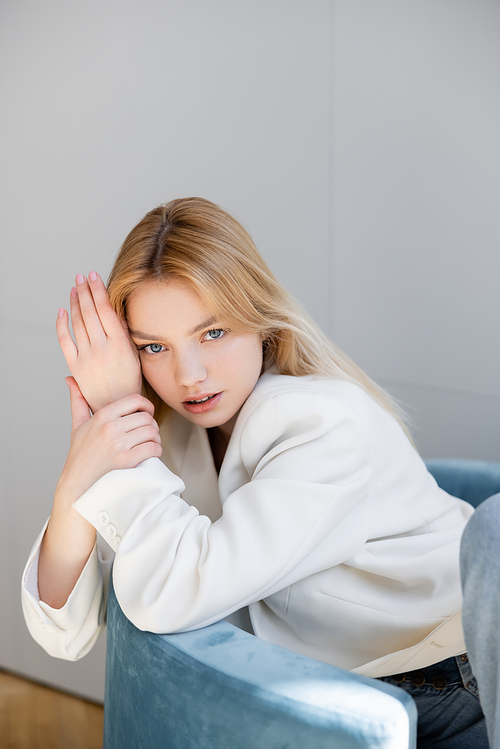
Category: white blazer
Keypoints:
(324, 521)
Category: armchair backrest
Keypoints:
(472, 480)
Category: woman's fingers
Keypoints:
(102, 357)
(126, 406)
(141, 436)
(128, 438)
(144, 451)
(65, 340)
(88, 313)
(77, 321)
(94, 319)
(110, 322)
(92, 315)
(138, 420)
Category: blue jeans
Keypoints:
(480, 569)
(449, 711)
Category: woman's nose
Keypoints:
(190, 371)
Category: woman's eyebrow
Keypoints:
(144, 337)
(204, 324)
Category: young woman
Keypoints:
(261, 468)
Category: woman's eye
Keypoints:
(153, 348)
(212, 335)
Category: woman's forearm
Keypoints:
(66, 547)
(119, 436)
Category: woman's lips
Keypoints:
(201, 408)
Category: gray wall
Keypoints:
(356, 140)
(415, 211)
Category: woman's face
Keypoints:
(187, 356)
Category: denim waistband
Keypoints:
(452, 671)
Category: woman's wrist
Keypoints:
(98, 402)
(67, 491)
(66, 546)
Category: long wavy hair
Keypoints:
(197, 241)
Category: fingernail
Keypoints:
(61, 312)
(66, 381)
(80, 278)
(73, 293)
(92, 275)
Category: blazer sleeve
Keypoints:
(306, 460)
(71, 631)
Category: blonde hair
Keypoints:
(197, 241)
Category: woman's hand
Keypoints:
(104, 361)
(120, 435)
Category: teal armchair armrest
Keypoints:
(222, 688)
